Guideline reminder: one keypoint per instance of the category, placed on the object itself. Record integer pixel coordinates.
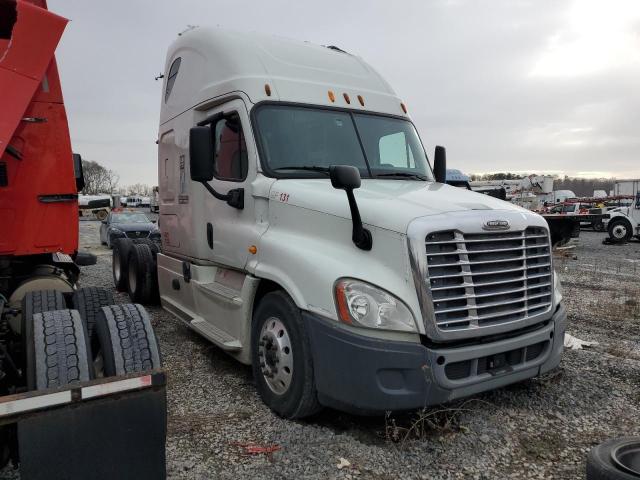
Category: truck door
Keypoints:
(231, 231)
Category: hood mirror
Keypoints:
(347, 178)
(440, 164)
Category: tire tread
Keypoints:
(61, 349)
(88, 301)
(127, 339)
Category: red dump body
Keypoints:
(38, 195)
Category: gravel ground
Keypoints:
(541, 428)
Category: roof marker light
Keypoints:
(267, 89)
(346, 98)
(404, 107)
(332, 97)
(361, 100)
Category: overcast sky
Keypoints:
(532, 86)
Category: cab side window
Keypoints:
(230, 154)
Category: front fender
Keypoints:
(306, 251)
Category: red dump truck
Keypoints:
(82, 392)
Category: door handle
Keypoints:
(210, 235)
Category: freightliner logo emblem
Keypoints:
(496, 225)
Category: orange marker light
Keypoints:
(343, 308)
(253, 249)
(404, 107)
(267, 89)
(361, 100)
(332, 97)
(346, 98)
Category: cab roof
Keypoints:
(209, 63)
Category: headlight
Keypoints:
(116, 231)
(364, 305)
(557, 288)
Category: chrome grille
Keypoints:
(485, 279)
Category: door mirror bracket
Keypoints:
(234, 197)
(347, 178)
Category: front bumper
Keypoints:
(367, 375)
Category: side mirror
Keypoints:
(201, 154)
(344, 177)
(347, 178)
(201, 150)
(78, 173)
(440, 164)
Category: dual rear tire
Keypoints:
(60, 351)
(127, 341)
(134, 269)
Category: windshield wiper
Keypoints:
(402, 174)
(311, 168)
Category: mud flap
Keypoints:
(116, 436)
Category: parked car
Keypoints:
(127, 225)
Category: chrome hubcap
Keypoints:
(275, 355)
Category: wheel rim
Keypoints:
(116, 268)
(132, 280)
(275, 355)
(619, 231)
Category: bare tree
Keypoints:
(98, 179)
(139, 189)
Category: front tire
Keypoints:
(281, 358)
(620, 230)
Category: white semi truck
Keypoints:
(624, 222)
(305, 233)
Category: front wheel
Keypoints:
(281, 358)
(620, 230)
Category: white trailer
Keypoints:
(305, 233)
(98, 205)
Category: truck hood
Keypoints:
(388, 204)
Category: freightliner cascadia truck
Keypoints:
(306, 233)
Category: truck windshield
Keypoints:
(304, 142)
